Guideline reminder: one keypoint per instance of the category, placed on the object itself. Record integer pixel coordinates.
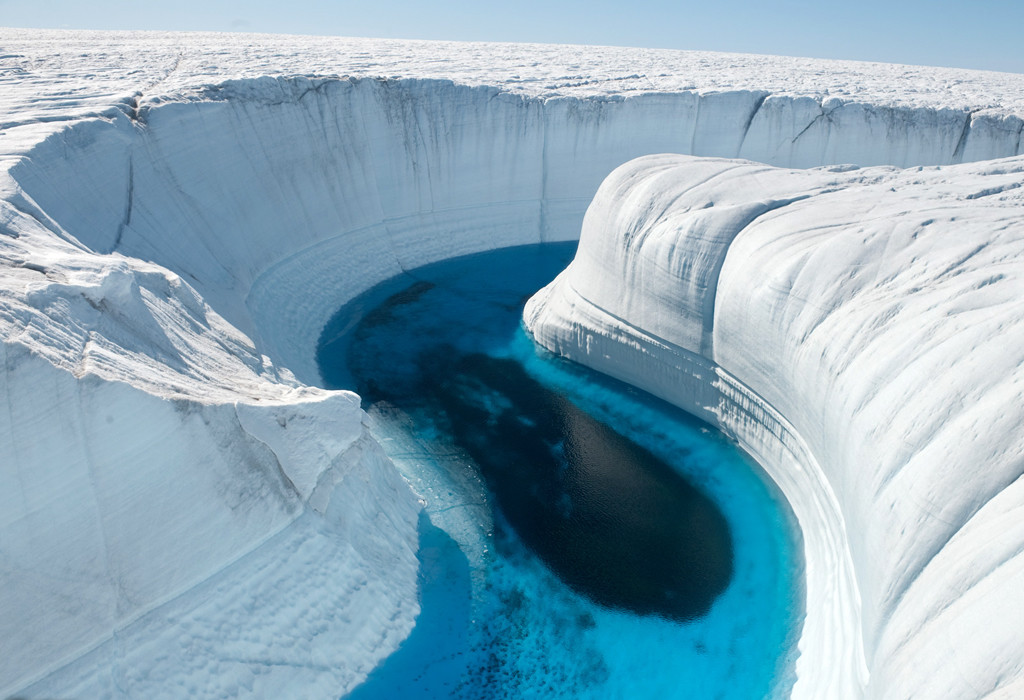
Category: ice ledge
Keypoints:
(146, 450)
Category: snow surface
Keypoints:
(181, 213)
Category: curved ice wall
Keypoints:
(860, 332)
(170, 265)
(351, 181)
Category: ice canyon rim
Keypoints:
(180, 214)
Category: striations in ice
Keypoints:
(181, 214)
(866, 323)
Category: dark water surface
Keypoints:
(580, 539)
(607, 516)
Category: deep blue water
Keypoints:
(581, 539)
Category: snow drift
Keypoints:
(171, 257)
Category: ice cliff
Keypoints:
(176, 227)
(866, 325)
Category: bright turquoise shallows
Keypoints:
(580, 539)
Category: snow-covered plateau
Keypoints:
(180, 214)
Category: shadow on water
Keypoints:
(431, 662)
(612, 520)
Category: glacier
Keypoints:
(829, 307)
(180, 214)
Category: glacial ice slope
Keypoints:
(176, 227)
(878, 312)
(145, 446)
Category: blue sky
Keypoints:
(969, 34)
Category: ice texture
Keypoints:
(180, 214)
(866, 323)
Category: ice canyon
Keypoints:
(823, 259)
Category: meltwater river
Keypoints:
(580, 539)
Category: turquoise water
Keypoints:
(580, 539)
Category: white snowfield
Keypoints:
(183, 511)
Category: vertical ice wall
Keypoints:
(244, 185)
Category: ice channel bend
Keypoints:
(580, 539)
